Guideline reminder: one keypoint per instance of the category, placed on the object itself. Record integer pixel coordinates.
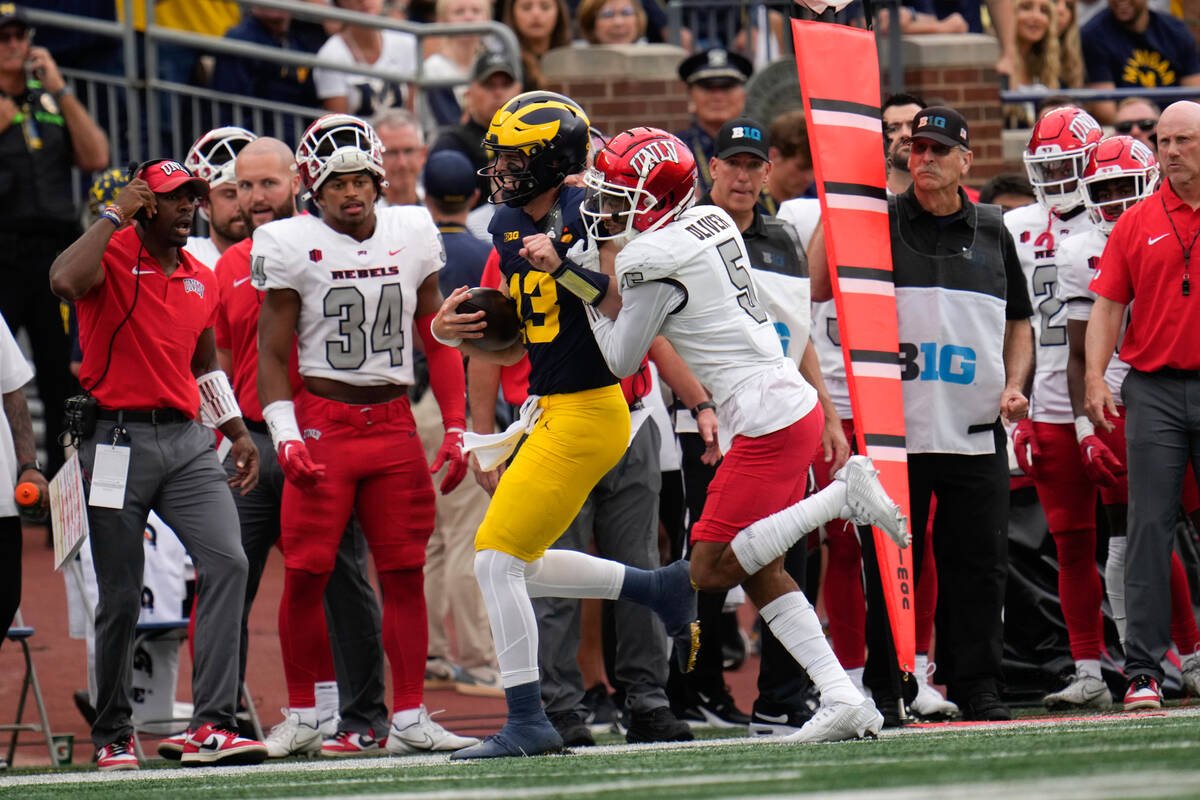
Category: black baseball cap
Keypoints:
(449, 177)
(715, 64)
(941, 124)
(490, 63)
(11, 14)
(743, 135)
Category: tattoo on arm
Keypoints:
(17, 412)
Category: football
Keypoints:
(503, 324)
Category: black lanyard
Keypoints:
(1187, 251)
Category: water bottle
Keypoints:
(29, 502)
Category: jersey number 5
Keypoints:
(732, 255)
(347, 305)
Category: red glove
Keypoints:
(298, 466)
(452, 455)
(1100, 463)
(1026, 447)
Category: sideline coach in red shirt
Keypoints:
(1147, 261)
(146, 310)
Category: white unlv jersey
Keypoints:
(357, 298)
(1037, 233)
(721, 330)
(1078, 257)
(204, 250)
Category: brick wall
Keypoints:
(957, 70)
(616, 105)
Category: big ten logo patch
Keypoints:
(746, 132)
(653, 154)
(931, 361)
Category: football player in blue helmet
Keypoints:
(536, 140)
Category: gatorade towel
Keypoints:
(839, 80)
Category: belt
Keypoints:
(1171, 372)
(257, 427)
(155, 416)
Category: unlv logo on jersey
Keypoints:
(653, 154)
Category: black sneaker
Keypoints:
(572, 730)
(601, 715)
(764, 723)
(717, 710)
(657, 725)
(985, 706)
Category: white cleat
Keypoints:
(1083, 691)
(868, 504)
(837, 722)
(929, 703)
(424, 736)
(293, 737)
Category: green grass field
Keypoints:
(1114, 756)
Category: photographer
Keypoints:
(44, 131)
(146, 309)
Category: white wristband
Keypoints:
(447, 342)
(280, 417)
(1083, 428)
(218, 404)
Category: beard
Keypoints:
(233, 229)
(898, 160)
(282, 211)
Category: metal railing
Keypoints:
(143, 113)
(1161, 95)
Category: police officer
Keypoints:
(146, 310)
(740, 168)
(966, 348)
(716, 90)
(44, 132)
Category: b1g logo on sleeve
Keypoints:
(929, 361)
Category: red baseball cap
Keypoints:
(165, 176)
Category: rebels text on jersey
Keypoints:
(1037, 233)
(719, 325)
(357, 298)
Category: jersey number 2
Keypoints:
(347, 305)
(731, 256)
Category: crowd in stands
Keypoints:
(434, 156)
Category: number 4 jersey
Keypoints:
(1038, 233)
(357, 298)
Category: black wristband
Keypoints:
(33, 465)
(707, 404)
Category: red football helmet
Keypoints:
(1057, 153)
(1120, 172)
(338, 143)
(641, 180)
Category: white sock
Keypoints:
(308, 716)
(327, 699)
(921, 667)
(514, 628)
(794, 622)
(769, 538)
(568, 573)
(1089, 667)
(406, 717)
(1114, 582)
(856, 675)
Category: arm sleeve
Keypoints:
(446, 376)
(1018, 305)
(626, 340)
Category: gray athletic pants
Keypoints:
(1162, 432)
(173, 469)
(351, 606)
(621, 517)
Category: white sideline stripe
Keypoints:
(867, 286)
(847, 119)
(837, 757)
(874, 369)
(855, 202)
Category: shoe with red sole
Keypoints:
(213, 745)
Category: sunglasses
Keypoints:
(1143, 125)
(610, 13)
(919, 146)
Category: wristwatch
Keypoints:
(707, 404)
(28, 465)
